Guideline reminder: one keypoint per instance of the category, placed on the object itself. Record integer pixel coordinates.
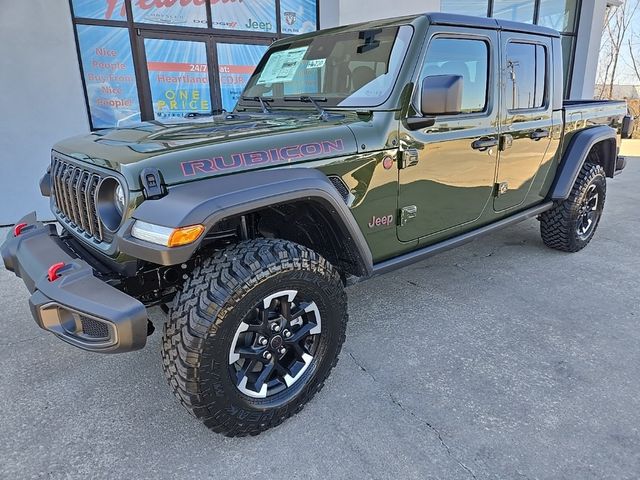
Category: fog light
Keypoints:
(169, 237)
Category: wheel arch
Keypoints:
(597, 143)
(335, 235)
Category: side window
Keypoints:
(464, 57)
(526, 76)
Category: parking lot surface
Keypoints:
(499, 360)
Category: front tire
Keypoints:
(571, 224)
(254, 334)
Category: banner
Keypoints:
(179, 78)
(183, 13)
(109, 75)
(298, 16)
(244, 15)
(237, 62)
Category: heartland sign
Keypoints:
(112, 5)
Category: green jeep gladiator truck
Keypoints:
(351, 152)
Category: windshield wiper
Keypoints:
(312, 100)
(264, 102)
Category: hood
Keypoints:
(219, 145)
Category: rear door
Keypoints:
(450, 181)
(526, 115)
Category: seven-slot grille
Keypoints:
(74, 191)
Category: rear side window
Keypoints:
(467, 58)
(526, 82)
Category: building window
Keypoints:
(527, 72)
(161, 59)
(514, 10)
(558, 14)
(467, 58)
(478, 8)
(109, 75)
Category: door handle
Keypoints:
(539, 134)
(485, 143)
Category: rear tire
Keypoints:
(571, 224)
(254, 334)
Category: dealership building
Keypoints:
(67, 67)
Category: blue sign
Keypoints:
(109, 75)
(236, 62)
(298, 16)
(247, 15)
(179, 77)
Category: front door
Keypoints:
(451, 180)
(526, 116)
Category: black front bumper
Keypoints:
(78, 307)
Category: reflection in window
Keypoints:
(478, 8)
(467, 58)
(514, 10)
(526, 76)
(558, 14)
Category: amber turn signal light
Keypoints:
(185, 235)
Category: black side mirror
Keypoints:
(439, 95)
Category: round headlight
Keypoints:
(118, 198)
(110, 203)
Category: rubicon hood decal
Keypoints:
(305, 151)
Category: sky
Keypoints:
(626, 74)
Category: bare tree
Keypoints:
(618, 22)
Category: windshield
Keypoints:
(351, 69)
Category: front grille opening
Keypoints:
(94, 328)
(73, 192)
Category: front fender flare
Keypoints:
(211, 200)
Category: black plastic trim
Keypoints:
(209, 201)
(575, 156)
(426, 252)
(76, 292)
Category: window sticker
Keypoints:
(316, 63)
(282, 66)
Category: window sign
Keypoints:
(253, 15)
(479, 8)
(179, 78)
(109, 75)
(298, 16)
(236, 62)
(181, 13)
(282, 66)
(100, 9)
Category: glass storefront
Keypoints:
(164, 59)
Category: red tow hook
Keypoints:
(52, 273)
(17, 230)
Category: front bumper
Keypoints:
(77, 307)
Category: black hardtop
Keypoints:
(436, 18)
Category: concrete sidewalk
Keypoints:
(499, 360)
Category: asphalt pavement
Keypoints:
(501, 359)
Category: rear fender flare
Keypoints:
(576, 154)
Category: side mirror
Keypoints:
(439, 95)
